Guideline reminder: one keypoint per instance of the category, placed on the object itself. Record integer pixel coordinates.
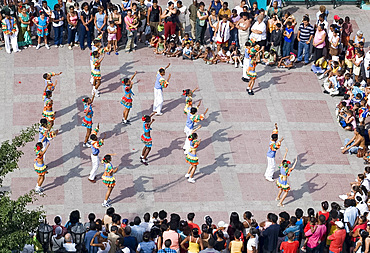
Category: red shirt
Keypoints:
(325, 214)
(289, 247)
(350, 54)
(307, 227)
(193, 225)
(362, 226)
(337, 239)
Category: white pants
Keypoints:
(186, 146)
(271, 166)
(95, 166)
(245, 67)
(11, 39)
(158, 100)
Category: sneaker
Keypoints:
(135, 46)
(269, 179)
(144, 162)
(116, 53)
(61, 46)
(86, 145)
(56, 46)
(187, 175)
(191, 180)
(97, 94)
(236, 66)
(303, 248)
(124, 122)
(106, 205)
(93, 92)
(280, 205)
(47, 46)
(251, 93)
(70, 47)
(38, 46)
(109, 201)
(158, 114)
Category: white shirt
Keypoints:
(182, 14)
(238, 9)
(146, 225)
(59, 23)
(260, 27)
(70, 247)
(148, 3)
(252, 242)
(326, 24)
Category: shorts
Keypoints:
(112, 36)
(261, 43)
(348, 63)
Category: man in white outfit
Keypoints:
(9, 27)
(160, 83)
(274, 146)
(95, 150)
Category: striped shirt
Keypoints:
(305, 32)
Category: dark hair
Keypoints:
(162, 214)
(146, 217)
(167, 243)
(116, 218)
(293, 220)
(95, 53)
(274, 218)
(274, 136)
(92, 226)
(155, 1)
(57, 220)
(299, 213)
(237, 234)
(201, 4)
(278, 25)
(310, 212)
(110, 211)
(93, 137)
(84, 4)
(107, 159)
(305, 18)
(127, 230)
(325, 205)
(137, 220)
(74, 217)
(289, 23)
(146, 236)
(191, 215)
(290, 235)
(193, 110)
(91, 217)
(56, 6)
(114, 228)
(322, 218)
(284, 215)
(43, 121)
(173, 225)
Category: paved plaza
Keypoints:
(235, 135)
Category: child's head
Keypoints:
(347, 76)
(107, 159)
(290, 236)
(361, 44)
(86, 100)
(224, 17)
(43, 122)
(224, 50)
(254, 5)
(234, 12)
(96, 54)
(56, 7)
(274, 137)
(44, 4)
(42, 14)
(347, 19)
(97, 42)
(346, 97)
(126, 81)
(160, 39)
(111, 23)
(278, 26)
(325, 205)
(288, 24)
(193, 136)
(93, 137)
(341, 21)
(193, 110)
(38, 146)
(187, 92)
(208, 49)
(187, 45)
(48, 94)
(146, 118)
(186, 36)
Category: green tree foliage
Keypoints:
(16, 221)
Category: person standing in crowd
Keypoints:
(225, 10)
(271, 153)
(270, 235)
(169, 17)
(337, 238)
(276, 39)
(212, 20)
(216, 5)
(57, 17)
(193, 14)
(100, 24)
(243, 26)
(72, 19)
(154, 17)
(223, 32)
(131, 31)
(182, 17)
(258, 32)
(85, 27)
(288, 39)
(319, 42)
(274, 10)
(42, 29)
(24, 35)
(304, 36)
(201, 25)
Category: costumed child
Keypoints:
(126, 100)
(48, 112)
(49, 85)
(95, 150)
(45, 135)
(188, 93)
(192, 118)
(39, 165)
(87, 120)
(146, 138)
(108, 178)
(191, 157)
(42, 29)
(282, 182)
(96, 73)
(160, 83)
(251, 73)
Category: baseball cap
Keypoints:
(336, 17)
(222, 224)
(339, 224)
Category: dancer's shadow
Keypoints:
(72, 154)
(66, 127)
(210, 118)
(124, 69)
(61, 180)
(166, 151)
(307, 186)
(221, 161)
(139, 185)
(171, 104)
(126, 160)
(218, 136)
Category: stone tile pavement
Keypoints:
(235, 134)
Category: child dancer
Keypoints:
(95, 150)
(274, 146)
(42, 29)
(49, 85)
(126, 100)
(189, 127)
(87, 120)
(146, 138)
(191, 156)
(189, 99)
(45, 135)
(251, 73)
(282, 182)
(96, 71)
(39, 165)
(160, 83)
(48, 113)
(108, 178)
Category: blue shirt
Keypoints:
(271, 237)
(138, 232)
(89, 235)
(146, 247)
(157, 85)
(290, 30)
(350, 216)
(167, 250)
(130, 242)
(294, 229)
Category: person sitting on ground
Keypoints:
(287, 61)
(269, 58)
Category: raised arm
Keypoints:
(295, 163)
(167, 66)
(286, 152)
(133, 76)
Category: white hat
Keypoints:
(339, 224)
(222, 224)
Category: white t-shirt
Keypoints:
(59, 23)
(57, 243)
(334, 40)
(187, 51)
(260, 27)
(182, 14)
(70, 247)
(238, 9)
(252, 242)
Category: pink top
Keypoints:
(318, 37)
(128, 20)
(313, 239)
(173, 236)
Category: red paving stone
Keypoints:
(314, 147)
(295, 82)
(104, 111)
(110, 83)
(173, 110)
(167, 186)
(82, 58)
(27, 113)
(227, 81)
(179, 81)
(45, 58)
(124, 191)
(307, 111)
(249, 147)
(327, 186)
(32, 84)
(54, 189)
(254, 187)
(241, 110)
